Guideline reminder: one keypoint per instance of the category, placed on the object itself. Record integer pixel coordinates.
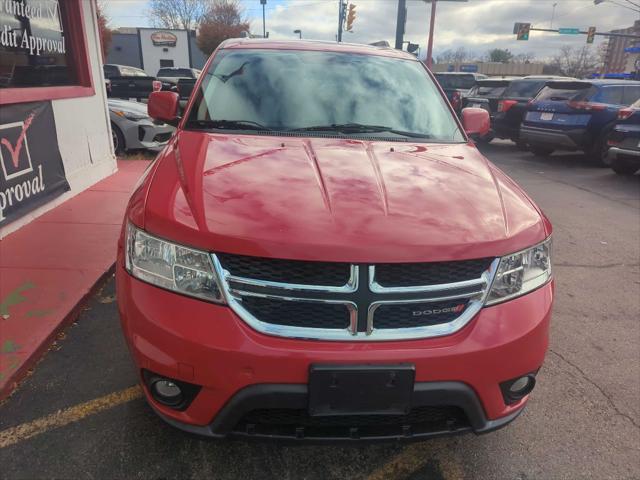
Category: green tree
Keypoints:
(499, 55)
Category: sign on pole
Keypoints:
(569, 31)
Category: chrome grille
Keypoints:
(354, 302)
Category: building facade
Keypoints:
(616, 58)
(55, 137)
(152, 48)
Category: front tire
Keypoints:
(597, 155)
(119, 146)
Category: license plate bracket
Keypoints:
(360, 389)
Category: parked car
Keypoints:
(512, 106)
(456, 85)
(577, 115)
(309, 261)
(624, 141)
(486, 94)
(133, 129)
(127, 82)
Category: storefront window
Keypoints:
(34, 45)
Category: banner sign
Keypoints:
(31, 170)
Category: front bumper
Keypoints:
(146, 135)
(560, 139)
(208, 345)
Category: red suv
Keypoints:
(321, 252)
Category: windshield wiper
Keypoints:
(355, 128)
(228, 124)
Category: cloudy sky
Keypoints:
(478, 25)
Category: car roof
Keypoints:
(460, 73)
(314, 45)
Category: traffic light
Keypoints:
(523, 31)
(591, 33)
(351, 16)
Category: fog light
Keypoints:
(517, 388)
(167, 392)
(520, 385)
(171, 392)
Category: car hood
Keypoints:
(337, 199)
(127, 106)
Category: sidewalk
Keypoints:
(49, 266)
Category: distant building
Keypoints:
(492, 68)
(153, 48)
(616, 58)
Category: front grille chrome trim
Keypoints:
(292, 331)
(452, 291)
(350, 287)
(375, 287)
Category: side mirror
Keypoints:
(164, 106)
(476, 122)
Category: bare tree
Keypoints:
(182, 14)
(458, 55)
(225, 19)
(103, 28)
(576, 62)
(525, 57)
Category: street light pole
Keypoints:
(341, 8)
(432, 25)
(264, 27)
(299, 32)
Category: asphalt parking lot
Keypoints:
(77, 415)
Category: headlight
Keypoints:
(174, 267)
(521, 272)
(134, 117)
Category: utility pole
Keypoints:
(341, 10)
(432, 25)
(264, 27)
(400, 23)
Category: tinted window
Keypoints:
(631, 94)
(487, 91)
(175, 72)
(611, 95)
(524, 88)
(290, 89)
(556, 94)
(462, 82)
(110, 71)
(34, 51)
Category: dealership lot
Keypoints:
(583, 419)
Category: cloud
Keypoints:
(478, 25)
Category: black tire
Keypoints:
(624, 168)
(597, 155)
(541, 151)
(119, 145)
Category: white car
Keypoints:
(133, 129)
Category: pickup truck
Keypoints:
(128, 82)
(312, 262)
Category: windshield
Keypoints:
(462, 82)
(488, 89)
(308, 91)
(524, 88)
